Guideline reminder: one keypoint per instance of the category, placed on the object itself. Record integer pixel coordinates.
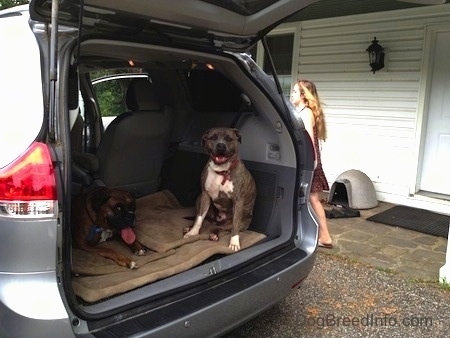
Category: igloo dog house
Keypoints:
(353, 189)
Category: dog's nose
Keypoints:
(221, 147)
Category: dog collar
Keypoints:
(93, 231)
(226, 175)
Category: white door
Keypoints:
(435, 176)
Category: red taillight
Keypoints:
(27, 185)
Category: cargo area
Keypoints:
(153, 150)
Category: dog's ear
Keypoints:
(99, 197)
(238, 134)
(204, 137)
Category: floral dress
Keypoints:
(319, 182)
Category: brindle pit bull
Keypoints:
(228, 189)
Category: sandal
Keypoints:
(325, 245)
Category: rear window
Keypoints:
(210, 91)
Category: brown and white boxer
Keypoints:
(102, 214)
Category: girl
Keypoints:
(306, 101)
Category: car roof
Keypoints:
(213, 22)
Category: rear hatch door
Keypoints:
(228, 25)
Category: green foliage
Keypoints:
(111, 94)
(4, 4)
(110, 98)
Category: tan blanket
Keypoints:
(160, 222)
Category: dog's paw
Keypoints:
(138, 249)
(213, 237)
(186, 230)
(141, 252)
(132, 265)
(105, 235)
(234, 243)
(190, 233)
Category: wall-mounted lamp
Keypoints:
(376, 55)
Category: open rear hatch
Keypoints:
(229, 25)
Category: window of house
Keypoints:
(281, 49)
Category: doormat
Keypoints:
(420, 220)
(342, 212)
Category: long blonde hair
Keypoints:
(312, 101)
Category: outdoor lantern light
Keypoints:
(376, 55)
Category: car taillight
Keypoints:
(27, 185)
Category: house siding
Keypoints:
(374, 120)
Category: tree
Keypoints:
(4, 4)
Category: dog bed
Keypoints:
(160, 221)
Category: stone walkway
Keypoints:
(408, 253)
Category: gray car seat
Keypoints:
(134, 146)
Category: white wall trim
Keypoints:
(424, 94)
(417, 201)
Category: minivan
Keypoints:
(183, 67)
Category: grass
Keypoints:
(386, 270)
(445, 285)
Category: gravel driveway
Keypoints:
(344, 298)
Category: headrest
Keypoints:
(141, 96)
